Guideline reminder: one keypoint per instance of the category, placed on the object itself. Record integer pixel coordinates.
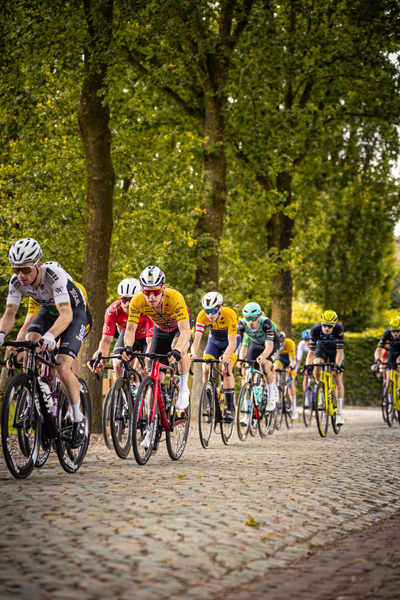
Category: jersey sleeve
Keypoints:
(14, 292)
(268, 330)
(246, 340)
(301, 348)
(340, 337)
(384, 339)
(291, 348)
(58, 281)
(135, 309)
(201, 322)
(109, 321)
(314, 337)
(179, 307)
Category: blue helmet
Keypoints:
(305, 334)
(252, 309)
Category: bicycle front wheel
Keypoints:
(389, 403)
(106, 426)
(265, 423)
(288, 408)
(244, 411)
(321, 411)
(383, 402)
(121, 417)
(206, 414)
(179, 423)
(143, 434)
(227, 428)
(72, 458)
(308, 403)
(20, 427)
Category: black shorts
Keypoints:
(255, 350)
(162, 342)
(327, 353)
(70, 339)
(392, 355)
(138, 346)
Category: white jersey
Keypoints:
(302, 347)
(56, 286)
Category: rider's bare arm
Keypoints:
(8, 320)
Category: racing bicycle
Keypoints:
(252, 412)
(284, 404)
(325, 405)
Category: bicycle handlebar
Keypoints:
(212, 360)
(50, 362)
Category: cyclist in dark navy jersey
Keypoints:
(391, 337)
(327, 345)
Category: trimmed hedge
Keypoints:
(362, 388)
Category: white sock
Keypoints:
(78, 416)
(340, 405)
(293, 400)
(183, 383)
(270, 390)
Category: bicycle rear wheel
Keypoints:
(288, 408)
(279, 409)
(106, 426)
(206, 414)
(20, 431)
(72, 458)
(141, 424)
(227, 429)
(321, 412)
(389, 403)
(121, 412)
(308, 404)
(177, 436)
(244, 411)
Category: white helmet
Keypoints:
(212, 300)
(24, 251)
(152, 277)
(128, 287)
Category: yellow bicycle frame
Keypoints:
(329, 385)
(394, 376)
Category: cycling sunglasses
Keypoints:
(125, 299)
(395, 330)
(151, 291)
(328, 325)
(24, 270)
(252, 318)
(211, 311)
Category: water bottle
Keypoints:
(258, 390)
(54, 410)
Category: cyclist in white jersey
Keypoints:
(62, 316)
(303, 348)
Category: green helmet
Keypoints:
(252, 309)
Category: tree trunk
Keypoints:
(93, 121)
(210, 223)
(280, 235)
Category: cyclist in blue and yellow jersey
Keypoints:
(264, 346)
(390, 337)
(287, 360)
(327, 341)
(223, 343)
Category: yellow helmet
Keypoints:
(394, 323)
(329, 316)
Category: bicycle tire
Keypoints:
(321, 412)
(389, 404)
(206, 414)
(177, 436)
(72, 458)
(383, 402)
(121, 412)
(308, 405)
(142, 411)
(227, 429)
(45, 446)
(288, 408)
(266, 417)
(243, 430)
(106, 427)
(20, 465)
(279, 409)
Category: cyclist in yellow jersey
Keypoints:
(223, 342)
(171, 334)
(287, 360)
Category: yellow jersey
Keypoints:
(289, 347)
(226, 324)
(173, 311)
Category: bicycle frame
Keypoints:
(394, 377)
(329, 386)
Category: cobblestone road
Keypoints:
(116, 530)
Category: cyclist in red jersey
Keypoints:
(116, 315)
